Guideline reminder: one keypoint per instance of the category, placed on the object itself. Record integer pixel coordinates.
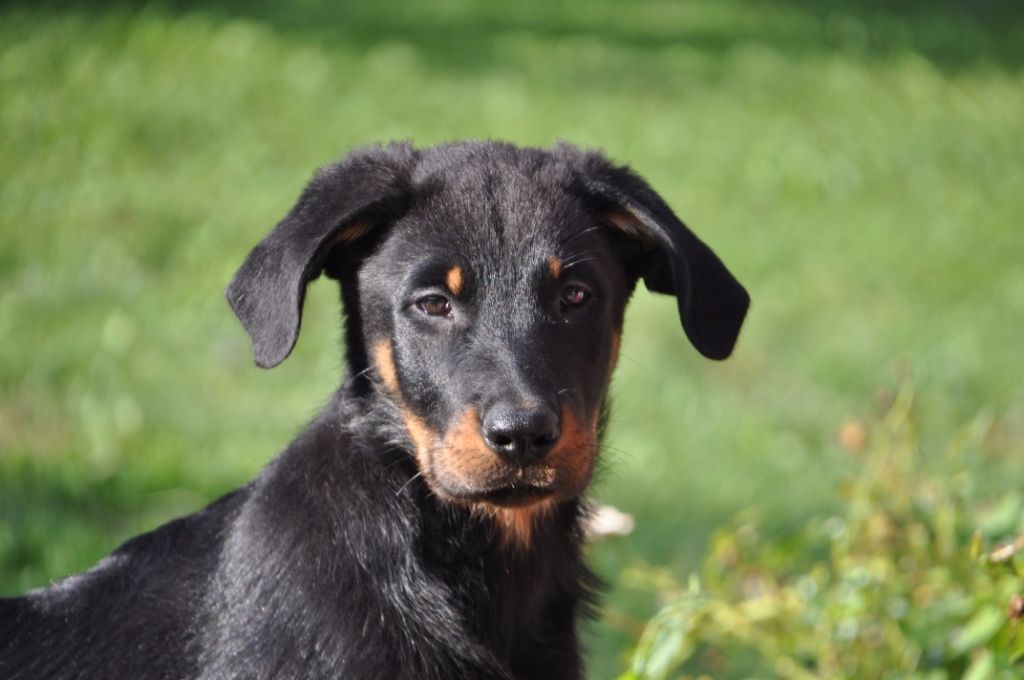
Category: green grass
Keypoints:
(857, 166)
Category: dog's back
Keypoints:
(137, 606)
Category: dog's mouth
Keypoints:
(461, 468)
(512, 496)
(512, 488)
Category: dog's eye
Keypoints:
(575, 296)
(435, 305)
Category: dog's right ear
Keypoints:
(344, 201)
(712, 303)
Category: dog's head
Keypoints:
(484, 288)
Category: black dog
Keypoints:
(427, 524)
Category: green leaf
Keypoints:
(981, 668)
(1001, 519)
(1017, 646)
(980, 629)
(665, 652)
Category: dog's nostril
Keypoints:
(522, 435)
(544, 441)
(502, 441)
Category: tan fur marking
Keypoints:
(422, 436)
(463, 453)
(352, 232)
(384, 359)
(616, 342)
(555, 267)
(575, 450)
(453, 279)
(629, 224)
(516, 524)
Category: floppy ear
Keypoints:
(343, 201)
(712, 303)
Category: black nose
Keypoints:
(520, 434)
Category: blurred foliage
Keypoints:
(856, 164)
(916, 579)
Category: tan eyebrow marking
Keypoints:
(555, 266)
(453, 279)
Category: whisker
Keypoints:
(623, 355)
(577, 235)
(355, 376)
(578, 254)
(614, 449)
(620, 421)
(408, 482)
(579, 261)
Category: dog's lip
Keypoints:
(510, 495)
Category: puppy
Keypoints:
(427, 524)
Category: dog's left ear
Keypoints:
(671, 259)
(343, 201)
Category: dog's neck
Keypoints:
(515, 584)
(510, 597)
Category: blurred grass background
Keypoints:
(857, 165)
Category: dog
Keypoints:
(428, 523)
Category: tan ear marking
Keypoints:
(353, 231)
(626, 222)
(453, 279)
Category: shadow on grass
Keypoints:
(461, 36)
(67, 518)
(51, 506)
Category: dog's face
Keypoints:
(492, 310)
(485, 287)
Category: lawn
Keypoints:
(859, 167)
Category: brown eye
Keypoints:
(575, 296)
(435, 305)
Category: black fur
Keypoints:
(484, 287)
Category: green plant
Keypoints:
(915, 579)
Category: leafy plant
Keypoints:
(913, 580)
